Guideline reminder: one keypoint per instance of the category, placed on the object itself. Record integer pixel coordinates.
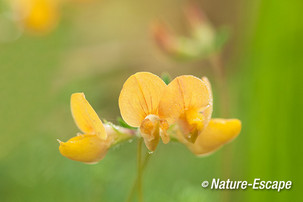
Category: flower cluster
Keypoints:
(180, 110)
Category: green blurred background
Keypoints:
(94, 49)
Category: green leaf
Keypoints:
(166, 78)
(124, 124)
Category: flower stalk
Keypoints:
(139, 167)
(139, 177)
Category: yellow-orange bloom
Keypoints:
(139, 102)
(217, 133)
(39, 16)
(187, 100)
(92, 145)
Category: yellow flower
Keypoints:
(187, 100)
(217, 133)
(92, 145)
(139, 102)
(147, 103)
(39, 16)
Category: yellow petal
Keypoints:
(207, 112)
(85, 116)
(182, 94)
(85, 148)
(149, 130)
(140, 97)
(187, 100)
(217, 133)
(192, 124)
(163, 128)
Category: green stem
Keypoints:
(139, 167)
(135, 185)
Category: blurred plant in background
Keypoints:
(36, 16)
(204, 39)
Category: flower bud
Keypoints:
(165, 40)
(203, 40)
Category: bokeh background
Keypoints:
(95, 47)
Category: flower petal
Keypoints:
(149, 130)
(217, 133)
(140, 97)
(182, 94)
(85, 148)
(163, 125)
(85, 116)
(207, 112)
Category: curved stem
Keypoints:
(139, 167)
(135, 185)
